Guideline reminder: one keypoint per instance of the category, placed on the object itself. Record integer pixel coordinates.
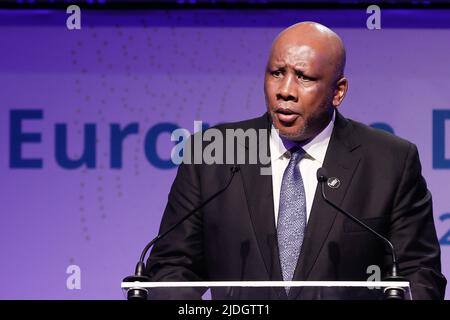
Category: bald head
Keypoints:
(304, 80)
(324, 40)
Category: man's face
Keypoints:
(299, 86)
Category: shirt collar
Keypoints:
(315, 149)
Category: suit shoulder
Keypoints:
(378, 138)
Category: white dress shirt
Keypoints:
(313, 160)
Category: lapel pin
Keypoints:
(333, 182)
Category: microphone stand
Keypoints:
(139, 274)
(390, 293)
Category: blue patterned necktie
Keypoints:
(291, 216)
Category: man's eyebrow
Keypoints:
(277, 65)
(301, 70)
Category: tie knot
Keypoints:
(297, 153)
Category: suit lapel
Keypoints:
(259, 195)
(340, 162)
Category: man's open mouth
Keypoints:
(286, 116)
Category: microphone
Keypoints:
(139, 274)
(391, 293)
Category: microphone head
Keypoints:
(234, 169)
(322, 174)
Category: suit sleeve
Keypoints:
(413, 233)
(179, 255)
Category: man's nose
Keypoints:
(288, 89)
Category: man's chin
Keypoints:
(295, 131)
(291, 133)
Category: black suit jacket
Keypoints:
(234, 237)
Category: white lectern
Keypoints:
(268, 290)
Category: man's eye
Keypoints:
(303, 77)
(276, 73)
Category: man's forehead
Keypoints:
(310, 45)
(299, 53)
(301, 56)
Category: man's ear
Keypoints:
(340, 91)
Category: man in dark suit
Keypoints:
(277, 226)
